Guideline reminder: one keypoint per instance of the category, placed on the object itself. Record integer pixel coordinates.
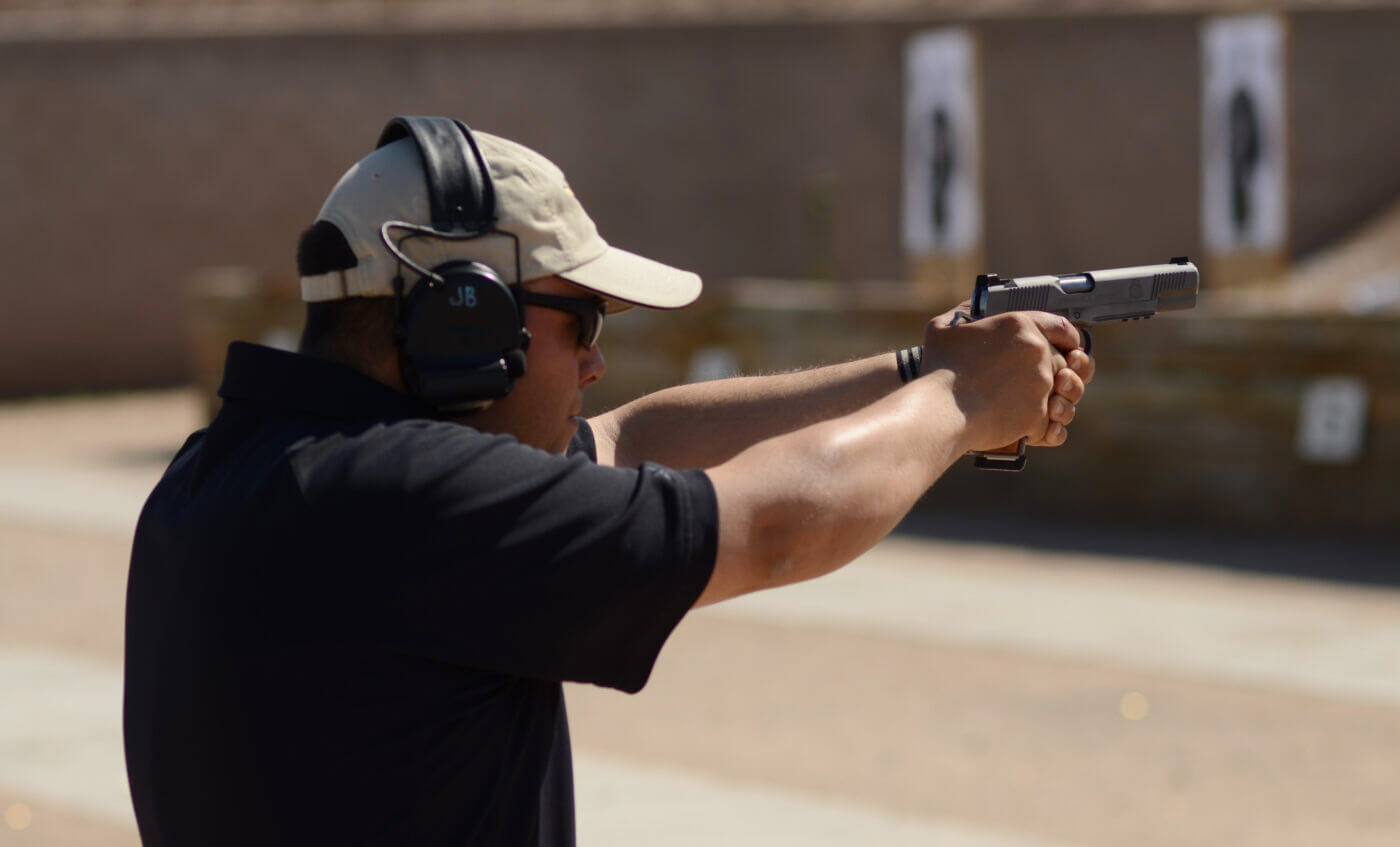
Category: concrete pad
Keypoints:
(621, 803)
(26, 821)
(60, 743)
(89, 498)
(60, 731)
(89, 463)
(1314, 637)
(1010, 740)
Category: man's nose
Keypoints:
(591, 367)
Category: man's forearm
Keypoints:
(704, 424)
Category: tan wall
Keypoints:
(1346, 128)
(126, 165)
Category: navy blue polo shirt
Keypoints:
(347, 622)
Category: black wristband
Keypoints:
(910, 360)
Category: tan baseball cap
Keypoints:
(533, 203)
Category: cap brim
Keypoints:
(636, 280)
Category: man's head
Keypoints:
(349, 261)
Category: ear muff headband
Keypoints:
(460, 194)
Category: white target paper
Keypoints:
(1244, 199)
(942, 183)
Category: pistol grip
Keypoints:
(1012, 457)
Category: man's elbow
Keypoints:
(773, 544)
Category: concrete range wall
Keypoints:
(127, 165)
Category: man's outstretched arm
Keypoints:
(804, 503)
(705, 424)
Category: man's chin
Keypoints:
(568, 436)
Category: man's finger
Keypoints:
(1083, 364)
(945, 320)
(1069, 385)
(1058, 330)
(1061, 410)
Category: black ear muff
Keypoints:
(460, 329)
(462, 338)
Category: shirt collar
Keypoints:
(268, 377)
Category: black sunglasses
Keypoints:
(588, 311)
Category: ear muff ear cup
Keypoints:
(462, 340)
(460, 330)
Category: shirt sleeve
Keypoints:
(479, 551)
(583, 442)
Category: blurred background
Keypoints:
(838, 172)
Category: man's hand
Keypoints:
(1016, 375)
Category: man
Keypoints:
(350, 611)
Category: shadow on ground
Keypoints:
(1366, 560)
